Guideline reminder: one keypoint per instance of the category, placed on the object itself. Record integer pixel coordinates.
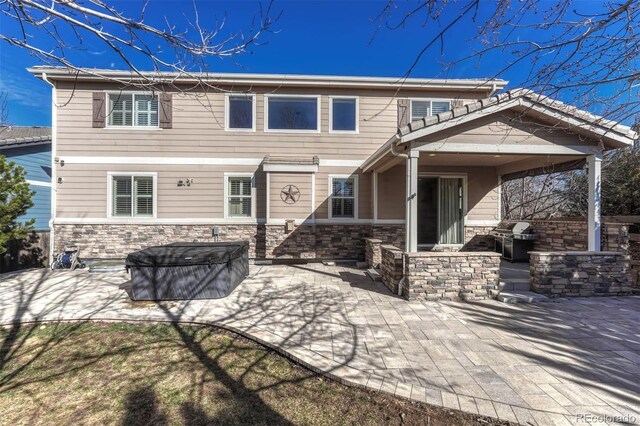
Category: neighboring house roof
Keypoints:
(527, 101)
(12, 136)
(92, 74)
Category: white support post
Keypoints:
(595, 166)
(375, 196)
(412, 202)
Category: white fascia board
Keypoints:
(291, 168)
(479, 85)
(525, 149)
(599, 130)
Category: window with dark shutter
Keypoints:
(99, 109)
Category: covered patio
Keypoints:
(451, 166)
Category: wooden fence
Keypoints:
(30, 252)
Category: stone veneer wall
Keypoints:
(391, 267)
(571, 235)
(115, 241)
(450, 275)
(561, 274)
(478, 238)
(373, 255)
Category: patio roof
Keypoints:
(521, 101)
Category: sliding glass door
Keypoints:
(440, 210)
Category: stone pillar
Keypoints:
(372, 252)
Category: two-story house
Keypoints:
(301, 166)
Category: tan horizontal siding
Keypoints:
(482, 193)
(83, 193)
(298, 210)
(323, 191)
(198, 127)
(507, 128)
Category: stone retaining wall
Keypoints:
(391, 267)
(572, 235)
(115, 241)
(562, 274)
(373, 256)
(451, 275)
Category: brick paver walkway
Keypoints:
(542, 364)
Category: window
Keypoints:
(423, 108)
(138, 110)
(240, 112)
(132, 196)
(343, 115)
(292, 113)
(239, 194)
(343, 197)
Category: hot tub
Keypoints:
(186, 271)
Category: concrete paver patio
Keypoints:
(565, 362)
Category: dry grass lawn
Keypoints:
(99, 373)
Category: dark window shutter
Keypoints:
(457, 103)
(403, 112)
(166, 111)
(99, 109)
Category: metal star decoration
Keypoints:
(290, 194)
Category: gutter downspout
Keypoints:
(406, 216)
(54, 118)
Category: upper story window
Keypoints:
(292, 113)
(344, 197)
(136, 110)
(240, 112)
(132, 195)
(343, 114)
(423, 108)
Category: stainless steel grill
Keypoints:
(515, 241)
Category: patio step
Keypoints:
(522, 297)
(515, 284)
(374, 275)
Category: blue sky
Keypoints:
(313, 37)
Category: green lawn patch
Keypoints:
(105, 373)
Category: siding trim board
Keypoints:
(208, 161)
(38, 183)
(215, 221)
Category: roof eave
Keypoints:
(480, 85)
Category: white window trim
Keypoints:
(109, 93)
(430, 106)
(274, 95)
(356, 195)
(111, 175)
(253, 197)
(357, 118)
(227, 115)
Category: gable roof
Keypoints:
(490, 85)
(525, 100)
(12, 136)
